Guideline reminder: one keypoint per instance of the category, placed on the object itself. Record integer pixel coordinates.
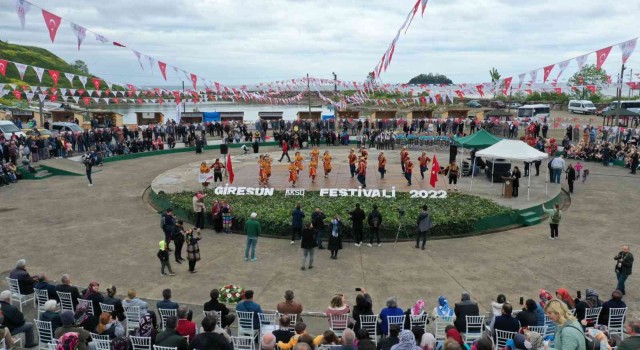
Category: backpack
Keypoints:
(556, 216)
(68, 341)
(163, 221)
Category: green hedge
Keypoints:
(454, 216)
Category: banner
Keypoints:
(22, 7)
(52, 22)
(627, 48)
(602, 55)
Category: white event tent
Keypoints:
(511, 150)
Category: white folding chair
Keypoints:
(268, 322)
(45, 333)
(542, 330)
(399, 320)
(241, 343)
(217, 315)
(245, 324)
(551, 327)
(573, 312)
(419, 321)
(140, 343)
(473, 331)
(96, 336)
(157, 347)
(166, 313)
(441, 323)
(591, 314)
(616, 321)
(133, 317)
(370, 324)
(106, 308)
(102, 344)
(502, 337)
(42, 296)
(329, 347)
(66, 302)
(87, 305)
(14, 288)
(293, 319)
(53, 345)
(338, 323)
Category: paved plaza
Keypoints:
(110, 233)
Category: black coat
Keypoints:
(13, 318)
(65, 288)
(210, 341)
(308, 239)
(625, 263)
(462, 310)
(357, 217)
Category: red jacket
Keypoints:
(186, 327)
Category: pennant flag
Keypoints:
(480, 90)
(55, 76)
(602, 55)
(152, 62)
(53, 98)
(230, 169)
(534, 75)
(21, 69)
(42, 97)
(591, 88)
(70, 77)
(101, 38)
(507, 84)
(435, 170)
(424, 6)
(558, 90)
(3, 68)
(547, 71)
(81, 92)
(80, 32)
(52, 22)
(83, 80)
(194, 80)
(627, 48)
(17, 94)
(86, 100)
(561, 67)
(521, 77)
(96, 82)
(581, 61)
(39, 72)
(22, 7)
(115, 43)
(163, 69)
(138, 55)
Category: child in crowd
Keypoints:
(578, 167)
(585, 174)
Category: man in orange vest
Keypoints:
(362, 172)
(423, 161)
(408, 169)
(403, 158)
(382, 164)
(352, 162)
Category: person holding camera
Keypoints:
(624, 264)
(357, 219)
(193, 249)
(424, 225)
(317, 220)
(375, 220)
(335, 240)
(307, 243)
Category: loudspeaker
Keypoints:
(224, 149)
(453, 151)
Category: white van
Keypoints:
(7, 128)
(535, 113)
(582, 106)
(633, 106)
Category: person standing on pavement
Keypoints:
(168, 224)
(296, 223)
(555, 216)
(193, 248)
(335, 239)
(557, 166)
(285, 151)
(624, 265)
(424, 225)
(357, 219)
(199, 208)
(178, 240)
(252, 229)
(374, 220)
(317, 220)
(571, 177)
(87, 159)
(307, 243)
(163, 256)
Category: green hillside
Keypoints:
(39, 57)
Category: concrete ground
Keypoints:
(110, 234)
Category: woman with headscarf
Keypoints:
(453, 334)
(335, 240)
(416, 310)
(590, 301)
(428, 342)
(443, 309)
(407, 341)
(565, 297)
(216, 215)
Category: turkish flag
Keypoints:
(230, 169)
(547, 71)
(55, 76)
(53, 98)
(96, 82)
(507, 84)
(17, 94)
(86, 100)
(194, 80)
(480, 90)
(435, 170)
(3, 67)
(602, 55)
(459, 93)
(53, 23)
(591, 88)
(80, 92)
(163, 69)
(558, 90)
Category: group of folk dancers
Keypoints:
(357, 165)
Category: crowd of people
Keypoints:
(566, 313)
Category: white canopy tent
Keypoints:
(511, 150)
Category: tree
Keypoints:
(80, 66)
(495, 79)
(430, 79)
(588, 75)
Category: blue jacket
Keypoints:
(251, 306)
(296, 218)
(540, 314)
(388, 311)
(167, 304)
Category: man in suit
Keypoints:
(66, 287)
(466, 307)
(170, 337)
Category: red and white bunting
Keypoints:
(547, 71)
(581, 60)
(507, 84)
(83, 80)
(152, 62)
(22, 7)
(194, 81)
(602, 55)
(52, 22)
(80, 32)
(21, 69)
(42, 97)
(521, 77)
(39, 72)
(424, 6)
(627, 48)
(70, 77)
(96, 83)
(3, 67)
(29, 96)
(55, 76)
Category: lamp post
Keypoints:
(619, 97)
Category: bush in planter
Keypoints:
(455, 215)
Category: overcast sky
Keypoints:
(251, 41)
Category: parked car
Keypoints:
(474, 104)
(44, 133)
(582, 106)
(514, 105)
(64, 126)
(498, 104)
(8, 129)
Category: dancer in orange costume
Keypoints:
(267, 165)
(382, 164)
(408, 169)
(326, 163)
(293, 173)
(423, 162)
(313, 169)
(262, 174)
(364, 153)
(352, 162)
(362, 172)
(315, 154)
(298, 161)
(403, 157)
(204, 169)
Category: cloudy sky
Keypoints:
(251, 41)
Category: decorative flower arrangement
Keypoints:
(231, 294)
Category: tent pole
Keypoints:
(546, 181)
(473, 166)
(529, 184)
(493, 166)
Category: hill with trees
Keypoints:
(430, 79)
